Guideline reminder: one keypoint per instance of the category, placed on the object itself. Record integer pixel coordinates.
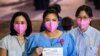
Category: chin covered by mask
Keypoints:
(20, 28)
(83, 24)
(51, 26)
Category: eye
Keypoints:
(85, 17)
(54, 20)
(47, 19)
(22, 22)
(16, 22)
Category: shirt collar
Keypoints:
(87, 32)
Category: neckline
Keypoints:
(52, 38)
(21, 46)
(86, 32)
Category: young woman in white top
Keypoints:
(14, 43)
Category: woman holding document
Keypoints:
(51, 42)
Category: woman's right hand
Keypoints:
(39, 50)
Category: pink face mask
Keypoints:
(83, 24)
(51, 26)
(20, 28)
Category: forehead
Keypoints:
(51, 16)
(20, 18)
(82, 14)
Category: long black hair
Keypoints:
(29, 25)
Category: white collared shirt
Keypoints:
(91, 38)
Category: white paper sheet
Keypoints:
(52, 52)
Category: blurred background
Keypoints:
(35, 9)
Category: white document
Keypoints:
(52, 52)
